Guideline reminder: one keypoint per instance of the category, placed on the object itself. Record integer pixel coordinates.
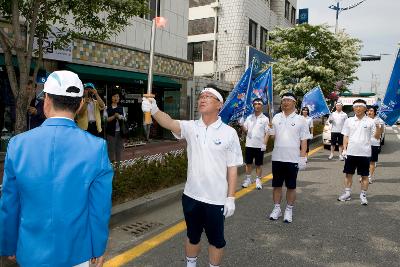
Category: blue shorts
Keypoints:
(201, 216)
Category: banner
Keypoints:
(316, 103)
(389, 110)
(234, 106)
(261, 88)
(49, 50)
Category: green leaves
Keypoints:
(309, 55)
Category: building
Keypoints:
(122, 61)
(222, 33)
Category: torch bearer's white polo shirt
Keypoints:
(288, 131)
(360, 133)
(257, 127)
(210, 150)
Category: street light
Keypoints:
(339, 9)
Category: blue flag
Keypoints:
(261, 88)
(389, 110)
(234, 106)
(315, 102)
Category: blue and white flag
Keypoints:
(261, 88)
(389, 110)
(316, 103)
(234, 106)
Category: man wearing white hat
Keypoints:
(56, 196)
(337, 120)
(214, 152)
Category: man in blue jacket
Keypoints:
(56, 198)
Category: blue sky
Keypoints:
(376, 23)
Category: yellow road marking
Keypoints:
(157, 240)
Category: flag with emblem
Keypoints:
(316, 103)
(389, 110)
(235, 105)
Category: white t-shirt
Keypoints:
(257, 127)
(310, 124)
(381, 123)
(210, 150)
(360, 133)
(338, 119)
(288, 131)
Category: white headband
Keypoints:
(359, 105)
(214, 92)
(289, 97)
(339, 103)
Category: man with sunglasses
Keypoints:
(256, 128)
(214, 152)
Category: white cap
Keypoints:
(214, 92)
(64, 83)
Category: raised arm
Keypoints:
(162, 118)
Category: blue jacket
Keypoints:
(56, 198)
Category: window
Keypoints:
(287, 8)
(201, 51)
(154, 10)
(195, 51)
(263, 39)
(252, 33)
(293, 16)
(195, 3)
(201, 26)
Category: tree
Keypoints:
(309, 55)
(23, 20)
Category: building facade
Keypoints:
(122, 62)
(221, 30)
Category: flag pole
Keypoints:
(268, 102)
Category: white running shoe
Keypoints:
(346, 196)
(341, 157)
(246, 182)
(330, 156)
(363, 199)
(275, 214)
(288, 217)
(258, 184)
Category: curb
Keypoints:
(164, 197)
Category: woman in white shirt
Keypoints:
(305, 112)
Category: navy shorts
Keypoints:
(201, 216)
(284, 172)
(253, 153)
(375, 150)
(336, 139)
(352, 163)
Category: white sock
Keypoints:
(191, 261)
(347, 190)
(289, 207)
(277, 205)
(363, 192)
(258, 177)
(213, 265)
(248, 176)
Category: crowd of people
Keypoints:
(53, 197)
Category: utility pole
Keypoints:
(339, 9)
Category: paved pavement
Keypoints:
(324, 232)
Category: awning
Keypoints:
(106, 74)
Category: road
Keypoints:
(324, 232)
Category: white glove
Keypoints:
(229, 207)
(263, 147)
(344, 154)
(302, 163)
(149, 105)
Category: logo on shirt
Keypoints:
(293, 124)
(217, 141)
